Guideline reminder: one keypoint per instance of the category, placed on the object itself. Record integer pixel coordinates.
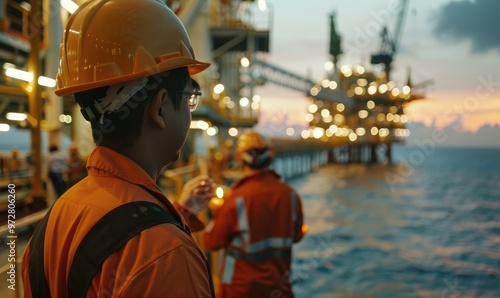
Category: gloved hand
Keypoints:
(196, 193)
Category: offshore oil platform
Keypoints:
(354, 116)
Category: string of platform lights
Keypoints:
(226, 102)
(339, 127)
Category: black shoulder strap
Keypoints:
(36, 268)
(108, 235)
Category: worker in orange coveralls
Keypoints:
(129, 65)
(256, 226)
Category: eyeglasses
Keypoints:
(193, 99)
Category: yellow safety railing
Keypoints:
(174, 181)
(9, 233)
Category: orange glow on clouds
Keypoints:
(444, 109)
(282, 108)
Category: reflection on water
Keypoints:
(426, 229)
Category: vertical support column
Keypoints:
(251, 50)
(349, 153)
(34, 99)
(289, 167)
(352, 154)
(389, 152)
(277, 165)
(366, 153)
(53, 34)
(331, 156)
(374, 153)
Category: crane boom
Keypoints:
(399, 25)
(389, 46)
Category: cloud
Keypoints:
(476, 21)
(454, 135)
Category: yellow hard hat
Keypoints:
(108, 42)
(251, 140)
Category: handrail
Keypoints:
(178, 175)
(37, 216)
(25, 221)
(175, 179)
(5, 232)
(180, 171)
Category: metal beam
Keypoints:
(271, 73)
(12, 90)
(228, 45)
(190, 10)
(276, 75)
(3, 104)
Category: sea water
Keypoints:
(427, 225)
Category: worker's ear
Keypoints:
(157, 107)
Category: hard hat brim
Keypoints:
(194, 66)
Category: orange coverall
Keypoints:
(162, 261)
(257, 226)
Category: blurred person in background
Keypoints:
(76, 168)
(11, 164)
(14, 161)
(256, 226)
(56, 164)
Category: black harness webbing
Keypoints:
(38, 282)
(107, 236)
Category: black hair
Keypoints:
(258, 158)
(124, 124)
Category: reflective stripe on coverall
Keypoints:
(257, 226)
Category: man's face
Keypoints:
(178, 121)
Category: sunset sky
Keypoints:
(454, 43)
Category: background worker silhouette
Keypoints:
(75, 169)
(56, 163)
(256, 226)
(129, 65)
